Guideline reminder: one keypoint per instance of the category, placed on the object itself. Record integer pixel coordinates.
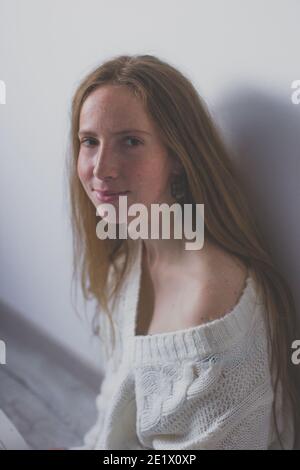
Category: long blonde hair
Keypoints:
(189, 133)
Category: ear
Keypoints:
(177, 167)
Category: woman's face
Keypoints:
(121, 150)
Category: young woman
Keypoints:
(200, 341)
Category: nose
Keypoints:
(106, 165)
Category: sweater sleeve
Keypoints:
(208, 387)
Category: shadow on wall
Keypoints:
(264, 132)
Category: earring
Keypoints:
(178, 188)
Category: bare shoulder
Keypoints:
(221, 288)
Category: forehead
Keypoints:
(113, 107)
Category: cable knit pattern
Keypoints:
(205, 387)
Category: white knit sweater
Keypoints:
(205, 387)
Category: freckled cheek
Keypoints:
(84, 170)
(147, 186)
(156, 176)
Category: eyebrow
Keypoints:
(124, 131)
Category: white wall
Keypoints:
(241, 55)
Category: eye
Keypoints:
(88, 142)
(134, 141)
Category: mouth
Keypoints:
(107, 196)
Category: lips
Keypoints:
(106, 196)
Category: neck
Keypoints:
(163, 253)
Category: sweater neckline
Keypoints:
(202, 340)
